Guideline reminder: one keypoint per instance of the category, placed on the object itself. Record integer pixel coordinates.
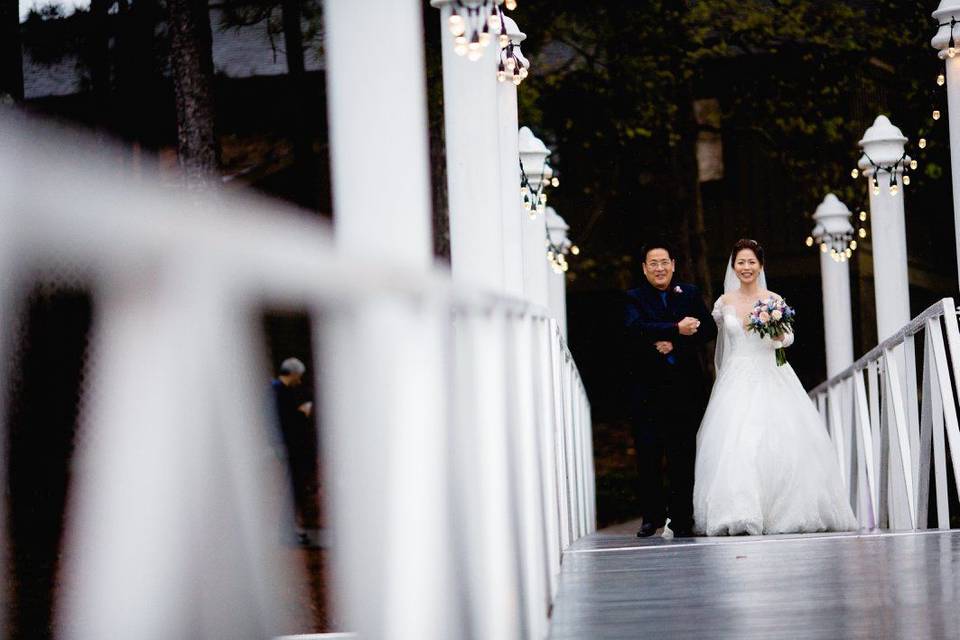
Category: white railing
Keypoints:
(885, 422)
(456, 432)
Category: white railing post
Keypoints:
(391, 219)
(470, 111)
(511, 209)
(883, 143)
(557, 228)
(536, 283)
(382, 361)
(833, 227)
(947, 43)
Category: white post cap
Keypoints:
(513, 31)
(533, 154)
(557, 227)
(948, 9)
(883, 142)
(832, 217)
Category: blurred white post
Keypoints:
(536, 283)
(557, 292)
(947, 14)
(833, 221)
(382, 360)
(470, 112)
(393, 218)
(511, 209)
(884, 144)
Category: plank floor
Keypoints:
(829, 586)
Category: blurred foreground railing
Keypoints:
(456, 438)
(885, 421)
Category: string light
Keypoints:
(941, 79)
(535, 200)
(512, 64)
(479, 21)
(855, 173)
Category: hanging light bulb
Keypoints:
(855, 173)
(504, 40)
(550, 255)
(523, 72)
(566, 267)
(456, 24)
(809, 241)
(940, 80)
(823, 248)
(913, 165)
(936, 114)
(906, 180)
(511, 63)
(510, 5)
(543, 198)
(848, 252)
(517, 78)
(575, 250)
(527, 205)
(862, 233)
(922, 143)
(952, 51)
(555, 181)
(524, 190)
(876, 190)
(532, 215)
(501, 73)
(541, 208)
(863, 216)
(460, 45)
(493, 21)
(853, 245)
(894, 188)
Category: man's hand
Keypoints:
(663, 346)
(688, 326)
(306, 408)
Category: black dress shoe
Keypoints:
(683, 533)
(647, 529)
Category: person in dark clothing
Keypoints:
(667, 323)
(294, 417)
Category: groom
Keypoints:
(667, 322)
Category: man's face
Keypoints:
(292, 379)
(658, 268)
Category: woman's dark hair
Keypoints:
(745, 243)
(658, 244)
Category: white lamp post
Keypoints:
(533, 154)
(947, 16)
(557, 229)
(834, 233)
(511, 210)
(470, 108)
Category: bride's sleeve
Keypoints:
(717, 312)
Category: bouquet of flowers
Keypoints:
(772, 317)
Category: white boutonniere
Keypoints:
(677, 289)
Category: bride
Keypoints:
(765, 463)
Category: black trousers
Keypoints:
(665, 422)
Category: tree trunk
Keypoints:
(11, 53)
(301, 132)
(191, 62)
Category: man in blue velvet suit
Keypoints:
(667, 323)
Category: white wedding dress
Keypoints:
(765, 463)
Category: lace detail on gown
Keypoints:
(765, 463)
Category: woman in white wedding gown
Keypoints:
(765, 463)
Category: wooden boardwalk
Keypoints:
(829, 586)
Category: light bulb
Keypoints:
(457, 25)
(532, 215)
(848, 252)
(527, 206)
(485, 39)
(809, 241)
(940, 80)
(566, 266)
(493, 20)
(913, 165)
(575, 250)
(894, 190)
(951, 52)
(523, 72)
(922, 143)
(511, 64)
(460, 45)
(823, 248)
(474, 54)
(543, 198)
(855, 173)
(510, 5)
(876, 190)
(504, 40)
(501, 75)
(517, 79)
(853, 245)
(555, 181)
(524, 190)
(863, 216)
(833, 253)
(936, 114)
(862, 233)
(906, 180)
(549, 255)
(541, 208)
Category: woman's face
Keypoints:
(746, 266)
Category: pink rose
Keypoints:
(764, 317)
(777, 314)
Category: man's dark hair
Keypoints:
(658, 244)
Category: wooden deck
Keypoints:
(830, 586)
